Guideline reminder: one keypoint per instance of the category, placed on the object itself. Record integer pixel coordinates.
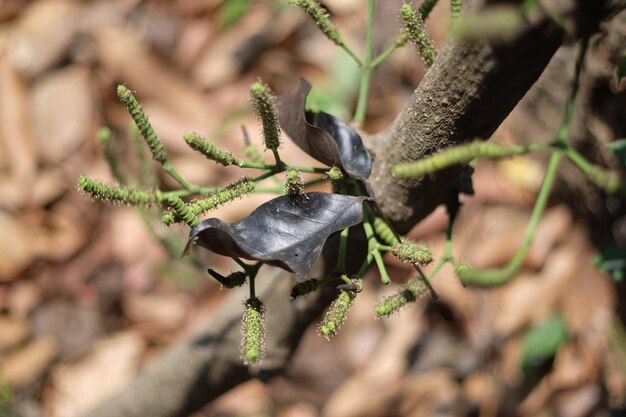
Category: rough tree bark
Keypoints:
(467, 93)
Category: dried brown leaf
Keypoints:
(27, 364)
(108, 366)
(17, 150)
(42, 35)
(12, 331)
(63, 113)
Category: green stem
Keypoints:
(275, 190)
(165, 195)
(343, 242)
(494, 277)
(315, 181)
(563, 134)
(373, 246)
(279, 163)
(242, 264)
(441, 262)
(281, 167)
(384, 276)
(264, 176)
(366, 68)
(579, 160)
(352, 55)
(447, 252)
(255, 165)
(385, 54)
(169, 168)
(540, 206)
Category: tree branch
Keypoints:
(200, 369)
(467, 93)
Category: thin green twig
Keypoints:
(366, 67)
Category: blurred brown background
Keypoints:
(88, 296)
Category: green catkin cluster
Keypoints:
(206, 148)
(462, 154)
(414, 27)
(293, 183)
(414, 252)
(141, 120)
(455, 9)
(304, 288)
(183, 211)
(264, 105)
(216, 199)
(337, 179)
(105, 137)
(253, 329)
(427, 7)
(383, 230)
(336, 314)
(124, 195)
(320, 17)
(413, 290)
(235, 279)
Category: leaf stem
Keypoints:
(494, 277)
(563, 135)
(252, 286)
(169, 168)
(373, 247)
(540, 205)
(400, 41)
(165, 195)
(277, 168)
(366, 67)
(343, 242)
(352, 55)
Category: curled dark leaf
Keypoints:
(288, 231)
(323, 136)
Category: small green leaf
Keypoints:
(542, 342)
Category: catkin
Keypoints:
(264, 105)
(209, 150)
(253, 329)
(336, 314)
(126, 195)
(141, 120)
(414, 27)
(413, 290)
